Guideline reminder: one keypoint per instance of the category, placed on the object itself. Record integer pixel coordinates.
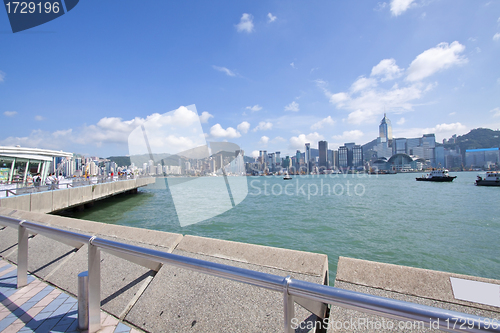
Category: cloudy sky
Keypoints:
(267, 75)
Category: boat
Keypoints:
(492, 179)
(439, 175)
(287, 176)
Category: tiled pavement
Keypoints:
(41, 308)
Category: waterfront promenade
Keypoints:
(168, 298)
(56, 200)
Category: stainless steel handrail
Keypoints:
(292, 289)
(76, 182)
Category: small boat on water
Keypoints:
(492, 179)
(440, 175)
(287, 176)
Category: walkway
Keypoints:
(39, 307)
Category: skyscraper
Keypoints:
(307, 158)
(323, 154)
(385, 129)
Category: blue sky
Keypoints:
(265, 75)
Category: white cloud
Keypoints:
(264, 140)
(441, 130)
(243, 127)
(278, 139)
(271, 18)
(362, 83)
(113, 130)
(2, 76)
(298, 142)
(454, 128)
(452, 113)
(255, 154)
(293, 65)
(39, 118)
(205, 116)
(10, 113)
(339, 98)
(263, 126)
(219, 132)
(41, 139)
(245, 24)
(326, 121)
(349, 135)
(294, 107)
(496, 112)
(496, 36)
(398, 7)
(254, 108)
(371, 103)
(380, 6)
(401, 121)
(224, 70)
(442, 56)
(388, 69)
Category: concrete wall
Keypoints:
(52, 201)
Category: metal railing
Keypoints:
(312, 296)
(75, 182)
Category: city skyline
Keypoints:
(262, 75)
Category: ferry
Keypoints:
(492, 179)
(440, 175)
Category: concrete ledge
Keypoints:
(290, 260)
(173, 299)
(60, 199)
(418, 282)
(78, 195)
(52, 201)
(180, 300)
(22, 202)
(347, 317)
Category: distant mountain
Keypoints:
(476, 139)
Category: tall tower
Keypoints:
(385, 129)
(323, 154)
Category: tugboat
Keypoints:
(441, 175)
(492, 179)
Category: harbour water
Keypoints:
(453, 227)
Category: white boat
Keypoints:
(439, 175)
(492, 178)
(287, 176)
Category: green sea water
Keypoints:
(453, 227)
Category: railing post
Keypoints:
(83, 301)
(94, 282)
(289, 306)
(22, 256)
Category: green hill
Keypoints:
(477, 138)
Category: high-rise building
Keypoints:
(399, 146)
(343, 157)
(385, 129)
(323, 154)
(350, 155)
(307, 159)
